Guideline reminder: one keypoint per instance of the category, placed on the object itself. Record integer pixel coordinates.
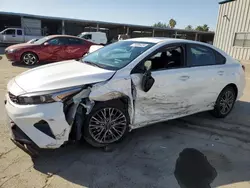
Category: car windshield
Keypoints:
(42, 40)
(117, 55)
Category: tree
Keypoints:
(160, 24)
(202, 28)
(172, 23)
(189, 27)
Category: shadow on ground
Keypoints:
(146, 158)
(18, 64)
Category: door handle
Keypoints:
(183, 78)
(220, 73)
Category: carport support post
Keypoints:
(63, 27)
(127, 31)
(196, 36)
(175, 34)
(153, 34)
(97, 27)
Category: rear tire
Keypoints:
(29, 58)
(106, 124)
(224, 103)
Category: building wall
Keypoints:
(233, 17)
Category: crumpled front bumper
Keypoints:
(42, 126)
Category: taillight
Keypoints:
(244, 68)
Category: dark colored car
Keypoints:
(48, 49)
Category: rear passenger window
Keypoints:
(220, 59)
(201, 56)
(74, 41)
(19, 32)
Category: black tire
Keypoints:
(29, 58)
(88, 135)
(218, 111)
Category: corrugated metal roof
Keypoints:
(226, 1)
(103, 22)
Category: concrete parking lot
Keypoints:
(146, 158)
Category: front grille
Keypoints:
(13, 98)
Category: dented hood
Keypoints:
(61, 75)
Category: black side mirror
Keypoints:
(147, 79)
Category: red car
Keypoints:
(48, 49)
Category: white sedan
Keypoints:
(120, 87)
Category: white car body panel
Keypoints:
(96, 37)
(61, 75)
(175, 93)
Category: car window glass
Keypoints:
(19, 32)
(10, 32)
(201, 56)
(58, 41)
(74, 41)
(171, 57)
(220, 59)
(88, 36)
(117, 55)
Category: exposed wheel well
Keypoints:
(31, 53)
(124, 100)
(234, 87)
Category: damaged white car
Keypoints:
(120, 87)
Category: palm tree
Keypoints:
(172, 23)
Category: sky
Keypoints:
(142, 12)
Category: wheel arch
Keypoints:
(235, 88)
(21, 57)
(122, 100)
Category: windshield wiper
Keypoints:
(93, 64)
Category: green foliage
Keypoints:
(172, 23)
(202, 28)
(161, 25)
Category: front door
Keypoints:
(167, 99)
(9, 36)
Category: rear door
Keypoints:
(55, 49)
(19, 36)
(207, 75)
(76, 48)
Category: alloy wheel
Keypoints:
(226, 102)
(29, 59)
(107, 125)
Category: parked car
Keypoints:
(32, 41)
(120, 87)
(94, 48)
(15, 35)
(49, 49)
(95, 37)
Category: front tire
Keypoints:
(225, 102)
(29, 59)
(106, 124)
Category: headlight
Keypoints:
(35, 98)
(12, 50)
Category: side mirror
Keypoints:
(46, 44)
(147, 79)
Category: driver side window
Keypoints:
(167, 58)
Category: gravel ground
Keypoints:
(146, 158)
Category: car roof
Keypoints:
(163, 39)
(166, 40)
(71, 36)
